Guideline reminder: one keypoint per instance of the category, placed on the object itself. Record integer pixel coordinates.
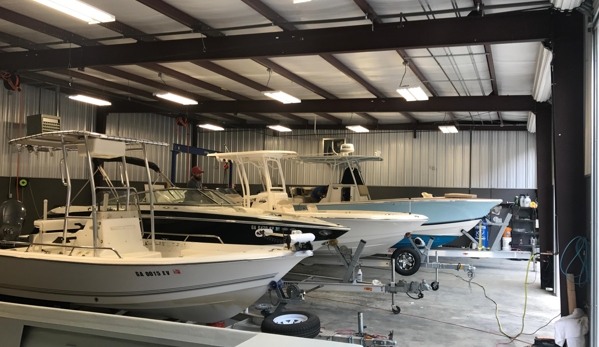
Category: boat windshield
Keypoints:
(190, 197)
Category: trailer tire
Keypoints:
(407, 261)
(292, 323)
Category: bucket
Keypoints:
(505, 243)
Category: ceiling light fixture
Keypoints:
(300, 1)
(282, 97)
(448, 129)
(566, 5)
(413, 94)
(90, 100)
(410, 94)
(279, 128)
(211, 127)
(79, 10)
(177, 98)
(357, 128)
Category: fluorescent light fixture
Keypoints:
(300, 1)
(79, 10)
(279, 128)
(177, 98)
(413, 94)
(448, 129)
(282, 97)
(541, 90)
(566, 5)
(211, 127)
(90, 100)
(357, 128)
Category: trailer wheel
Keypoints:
(292, 323)
(395, 309)
(407, 261)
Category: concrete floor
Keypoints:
(455, 315)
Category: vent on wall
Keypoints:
(42, 123)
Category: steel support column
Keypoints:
(545, 194)
(568, 140)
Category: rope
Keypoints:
(581, 248)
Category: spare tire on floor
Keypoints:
(292, 323)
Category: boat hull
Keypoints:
(184, 288)
(445, 216)
(379, 230)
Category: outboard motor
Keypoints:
(12, 216)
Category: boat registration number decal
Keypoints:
(157, 273)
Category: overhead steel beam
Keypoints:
(491, 66)
(369, 11)
(438, 104)
(351, 74)
(181, 17)
(128, 31)
(273, 16)
(20, 42)
(530, 26)
(148, 82)
(74, 87)
(329, 117)
(230, 117)
(193, 81)
(269, 14)
(299, 81)
(208, 65)
(405, 57)
(372, 15)
(108, 84)
(407, 127)
(294, 78)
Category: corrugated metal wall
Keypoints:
(230, 141)
(499, 159)
(150, 127)
(74, 115)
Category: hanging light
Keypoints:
(413, 94)
(282, 97)
(279, 128)
(410, 94)
(211, 127)
(448, 129)
(357, 128)
(177, 98)
(90, 100)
